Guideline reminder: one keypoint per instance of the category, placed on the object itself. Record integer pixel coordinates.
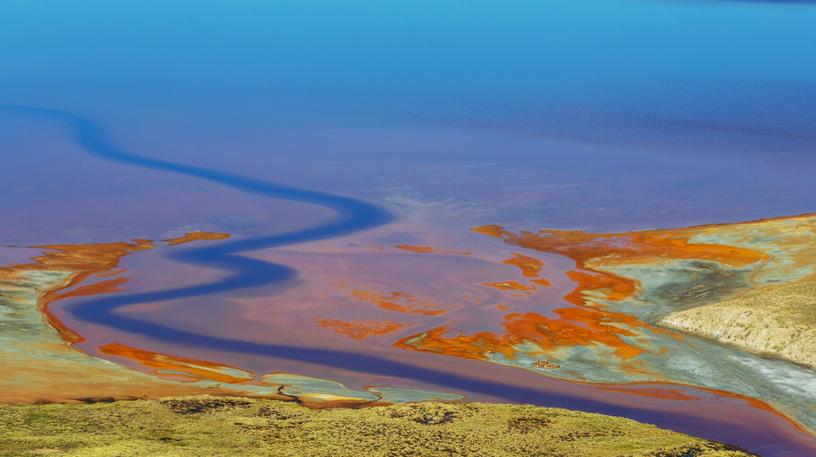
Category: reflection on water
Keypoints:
(382, 134)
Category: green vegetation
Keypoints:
(204, 426)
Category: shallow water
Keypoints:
(415, 122)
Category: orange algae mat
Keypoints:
(587, 318)
(401, 302)
(57, 372)
(360, 330)
(604, 329)
(196, 236)
(82, 262)
(590, 322)
(45, 367)
(175, 367)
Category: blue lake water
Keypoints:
(438, 116)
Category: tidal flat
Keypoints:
(748, 284)
(603, 330)
(428, 207)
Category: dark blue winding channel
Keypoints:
(351, 215)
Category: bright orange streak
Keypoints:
(196, 236)
(401, 302)
(196, 368)
(81, 261)
(360, 330)
(417, 249)
(573, 327)
(529, 266)
(508, 285)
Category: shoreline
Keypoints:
(202, 425)
(214, 389)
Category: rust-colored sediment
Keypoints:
(759, 404)
(424, 249)
(588, 322)
(360, 330)
(161, 364)
(664, 391)
(401, 302)
(593, 252)
(416, 249)
(590, 250)
(573, 327)
(97, 288)
(109, 273)
(57, 372)
(613, 287)
(625, 247)
(529, 266)
(82, 261)
(196, 236)
(508, 285)
(653, 392)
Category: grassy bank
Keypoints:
(778, 321)
(205, 426)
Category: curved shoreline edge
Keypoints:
(206, 425)
(352, 215)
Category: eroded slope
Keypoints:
(776, 320)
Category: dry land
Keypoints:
(779, 321)
(228, 426)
